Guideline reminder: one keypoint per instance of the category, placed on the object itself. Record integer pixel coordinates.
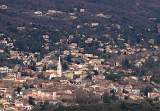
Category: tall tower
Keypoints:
(59, 68)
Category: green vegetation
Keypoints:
(113, 76)
(122, 106)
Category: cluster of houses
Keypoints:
(34, 80)
(20, 83)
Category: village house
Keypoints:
(3, 7)
(38, 13)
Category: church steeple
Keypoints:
(59, 68)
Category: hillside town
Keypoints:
(39, 67)
(48, 79)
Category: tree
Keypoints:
(126, 63)
(156, 78)
(65, 65)
(31, 101)
(7, 52)
(110, 97)
(147, 90)
(32, 65)
(113, 77)
(2, 57)
(106, 98)
(60, 108)
(19, 90)
(69, 58)
(86, 97)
